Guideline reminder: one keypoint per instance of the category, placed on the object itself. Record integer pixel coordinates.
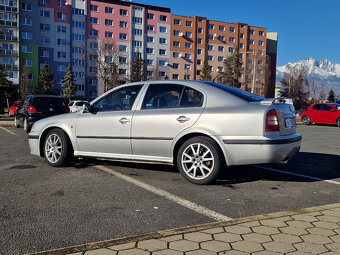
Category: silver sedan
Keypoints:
(198, 126)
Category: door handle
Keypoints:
(124, 120)
(182, 119)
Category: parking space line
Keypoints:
(181, 201)
(8, 131)
(299, 175)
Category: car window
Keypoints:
(326, 107)
(48, 102)
(79, 103)
(70, 103)
(337, 106)
(317, 107)
(118, 100)
(162, 96)
(191, 98)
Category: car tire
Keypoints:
(57, 148)
(199, 160)
(16, 122)
(26, 126)
(338, 122)
(306, 120)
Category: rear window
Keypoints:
(48, 102)
(79, 103)
(236, 92)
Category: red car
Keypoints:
(322, 113)
(14, 108)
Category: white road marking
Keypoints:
(181, 201)
(299, 175)
(9, 131)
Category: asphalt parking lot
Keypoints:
(45, 208)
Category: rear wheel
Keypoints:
(306, 120)
(199, 160)
(16, 122)
(338, 122)
(57, 148)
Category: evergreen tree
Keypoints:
(69, 88)
(46, 81)
(24, 86)
(7, 88)
(331, 96)
(114, 78)
(205, 74)
(138, 69)
(232, 69)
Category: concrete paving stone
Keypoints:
(101, 252)
(325, 224)
(124, 246)
(299, 224)
(266, 253)
(313, 213)
(134, 251)
(298, 253)
(200, 252)
(334, 212)
(293, 231)
(286, 238)
(321, 231)
(215, 246)
(273, 223)
(257, 238)
(251, 224)
(227, 237)
(329, 218)
(247, 246)
(279, 247)
(265, 230)
(213, 230)
(198, 237)
(333, 247)
(330, 253)
(183, 245)
(335, 209)
(237, 229)
(335, 238)
(316, 239)
(152, 245)
(172, 238)
(310, 248)
(337, 230)
(167, 252)
(304, 217)
(233, 252)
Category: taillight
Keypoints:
(67, 110)
(32, 109)
(272, 122)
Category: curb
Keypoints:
(171, 232)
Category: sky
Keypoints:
(306, 28)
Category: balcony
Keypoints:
(8, 23)
(9, 67)
(9, 8)
(11, 38)
(8, 52)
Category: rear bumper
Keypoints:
(261, 151)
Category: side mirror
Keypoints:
(86, 108)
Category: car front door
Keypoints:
(106, 127)
(166, 110)
(329, 114)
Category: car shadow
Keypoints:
(323, 166)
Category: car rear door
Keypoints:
(167, 110)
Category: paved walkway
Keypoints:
(313, 230)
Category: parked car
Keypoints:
(322, 113)
(76, 105)
(14, 108)
(37, 107)
(197, 126)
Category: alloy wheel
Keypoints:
(53, 148)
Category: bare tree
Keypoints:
(24, 86)
(322, 94)
(314, 88)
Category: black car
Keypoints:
(36, 107)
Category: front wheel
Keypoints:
(306, 120)
(338, 122)
(57, 148)
(199, 160)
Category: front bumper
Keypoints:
(261, 151)
(33, 142)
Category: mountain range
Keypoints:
(325, 73)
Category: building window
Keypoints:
(44, 1)
(61, 3)
(210, 58)
(177, 22)
(137, 32)
(137, 43)
(150, 28)
(176, 44)
(260, 52)
(44, 14)
(188, 34)
(260, 43)
(61, 29)
(122, 48)
(123, 24)
(210, 47)
(187, 67)
(61, 54)
(200, 30)
(108, 34)
(94, 33)
(93, 20)
(231, 29)
(175, 54)
(44, 40)
(199, 61)
(26, 49)
(94, 8)
(78, 24)
(231, 39)
(26, 7)
(221, 28)
(94, 45)
(175, 76)
(162, 40)
(187, 56)
(108, 47)
(199, 51)
(199, 41)
(210, 37)
(176, 32)
(122, 60)
(251, 42)
(108, 22)
(26, 21)
(186, 77)
(211, 27)
(149, 50)
(162, 52)
(251, 32)
(241, 35)
(26, 35)
(219, 59)
(123, 12)
(162, 29)
(108, 10)
(122, 36)
(220, 48)
(162, 63)
(78, 12)
(45, 54)
(241, 45)
(150, 16)
(150, 39)
(149, 62)
(163, 18)
(221, 38)
(188, 23)
(175, 66)
(162, 74)
(28, 62)
(45, 27)
(61, 16)
(78, 37)
(137, 20)
(231, 49)
(219, 68)
(188, 45)
(261, 33)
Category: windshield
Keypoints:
(337, 106)
(236, 92)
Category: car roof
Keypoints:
(49, 96)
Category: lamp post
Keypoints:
(254, 69)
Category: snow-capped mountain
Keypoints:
(324, 72)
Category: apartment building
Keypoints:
(9, 38)
(194, 39)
